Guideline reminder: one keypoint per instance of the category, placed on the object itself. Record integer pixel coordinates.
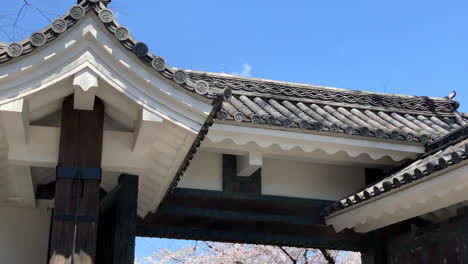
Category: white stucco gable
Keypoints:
(164, 117)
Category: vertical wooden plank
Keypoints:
(61, 241)
(450, 252)
(229, 170)
(86, 235)
(126, 215)
(418, 256)
(74, 228)
(69, 134)
(91, 133)
(378, 253)
(118, 214)
(105, 241)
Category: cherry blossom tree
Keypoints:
(211, 253)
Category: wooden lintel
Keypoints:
(358, 243)
(247, 218)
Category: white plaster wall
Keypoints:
(24, 235)
(308, 180)
(280, 177)
(205, 172)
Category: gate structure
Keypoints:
(102, 141)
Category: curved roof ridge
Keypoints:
(307, 85)
(15, 50)
(258, 86)
(203, 83)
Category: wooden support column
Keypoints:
(118, 214)
(74, 227)
(126, 215)
(378, 252)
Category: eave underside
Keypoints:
(436, 180)
(153, 127)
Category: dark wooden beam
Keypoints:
(245, 203)
(239, 215)
(246, 218)
(77, 192)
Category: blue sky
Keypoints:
(408, 47)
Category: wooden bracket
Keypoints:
(86, 84)
(249, 163)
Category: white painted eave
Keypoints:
(437, 191)
(88, 45)
(279, 142)
(172, 117)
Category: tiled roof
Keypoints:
(17, 50)
(441, 155)
(410, 118)
(273, 103)
(97, 8)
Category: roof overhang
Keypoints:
(226, 137)
(440, 190)
(165, 121)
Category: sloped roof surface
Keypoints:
(175, 140)
(277, 104)
(448, 151)
(324, 109)
(16, 50)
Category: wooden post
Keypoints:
(126, 215)
(74, 227)
(116, 237)
(378, 253)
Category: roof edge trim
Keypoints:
(259, 87)
(16, 50)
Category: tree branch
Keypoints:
(327, 256)
(293, 260)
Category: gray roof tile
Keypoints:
(409, 118)
(324, 109)
(441, 154)
(59, 26)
